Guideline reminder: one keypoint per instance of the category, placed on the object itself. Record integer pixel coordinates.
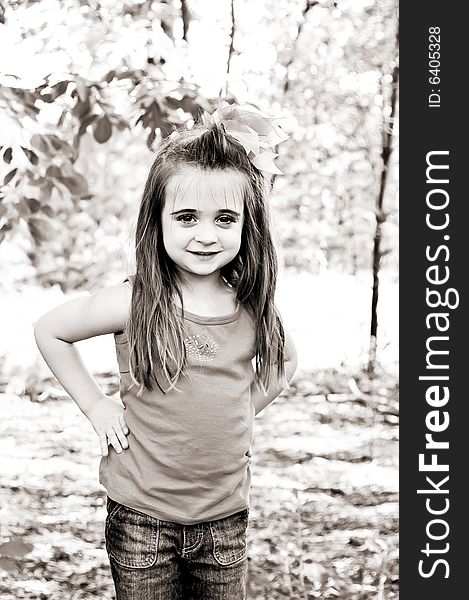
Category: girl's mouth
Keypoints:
(204, 256)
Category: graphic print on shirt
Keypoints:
(201, 347)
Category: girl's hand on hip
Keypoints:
(107, 418)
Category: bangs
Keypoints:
(190, 187)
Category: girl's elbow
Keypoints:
(39, 331)
(291, 355)
(291, 370)
(42, 330)
(292, 363)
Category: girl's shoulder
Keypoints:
(101, 312)
(110, 306)
(120, 301)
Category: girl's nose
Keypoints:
(206, 235)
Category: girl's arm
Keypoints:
(258, 398)
(106, 311)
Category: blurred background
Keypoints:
(87, 89)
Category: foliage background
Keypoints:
(122, 75)
(87, 87)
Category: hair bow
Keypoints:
(254, 130)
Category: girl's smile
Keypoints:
(202, 219)
(203, 255)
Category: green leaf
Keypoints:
(23, 208)
(109, 76)
(81, 108)
(32, 156)
(7, 155)
(46, 98)
(87, 120)
(59, 89)
(129, 74)
(8, 226)
(121, 125)
(62, 118)
(31, 109)
(33, 204)
(41, 229)
(77, 185)
(102, 129)
(157, 118)
(156, 113)
(40, 143)
(73, 181)
(48, 210)
(54, 171)
(9, 176)
(173, 103)
(141, 119)
(55, 142)
(190, 105)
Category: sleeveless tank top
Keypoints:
(189, 451)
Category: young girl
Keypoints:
(201, 350)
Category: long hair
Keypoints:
(156, 329)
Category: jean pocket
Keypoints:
(131, 537)
(112, 507)
(229, 538)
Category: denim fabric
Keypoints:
(153, 559)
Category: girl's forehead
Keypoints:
(206, 190)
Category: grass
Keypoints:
(323, 516)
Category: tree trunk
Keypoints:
(386, 152)
(186, 19)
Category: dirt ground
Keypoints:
(324, 497)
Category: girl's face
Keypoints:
(202, 219)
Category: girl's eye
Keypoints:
(186, 218)
(226, 219)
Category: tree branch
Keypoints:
(224, 89)
(308, 6)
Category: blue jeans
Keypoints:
(153, 559)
